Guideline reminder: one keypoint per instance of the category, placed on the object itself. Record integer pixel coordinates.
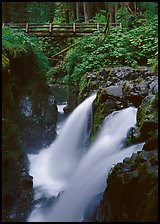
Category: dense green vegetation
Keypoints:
(136, 44)
(135, 47)
(15, 44)
(19, 49)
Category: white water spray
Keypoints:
(68, 147)
(87, 171)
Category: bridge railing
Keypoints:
(51, 28)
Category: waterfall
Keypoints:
(53, 165)
(78, 173)
(69, 146)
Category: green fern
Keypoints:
(15, 44)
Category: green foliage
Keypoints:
(57, 73)
(120, 15)
(135, 47)
(51, 46)
(100, 17)
(150, 9)
(60, 12)
(18, 44)
(12, 43)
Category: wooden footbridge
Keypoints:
(58, 30)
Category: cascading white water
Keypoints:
(68, 147)
(53, 165)
(88, 172)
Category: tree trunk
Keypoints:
(112, 14)
(25, 10)
(51, 12)
(80, 12)
(45, 11)
(77, 10)
(92, 9)
(38, 12)
(67, 13)
(5, 12)
(74, 10)
(86, 11)
(117, 6)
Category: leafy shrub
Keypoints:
(57, 73)
(121, 14)
(134, 47)
(100, 17)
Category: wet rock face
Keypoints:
(104, 104)
(131, 194)
(38, 121)
(128, 83)
(117, 88)
(23, 198)
(17, 197)
(132, 191)
(66, 109)
(147, 123)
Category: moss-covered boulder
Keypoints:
(104, 104)
(118, 88)
(134, 83)
(131, 194)
(147, 123)
(132, 190)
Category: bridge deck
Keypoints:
(56, 30)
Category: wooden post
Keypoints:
(120, 26)
(97, 26)
(74, 27)
(27, 27)
(50, 28)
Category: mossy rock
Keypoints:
(148, 111)
(99, 111)
(147, 123)
(131, 194)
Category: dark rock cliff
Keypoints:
(132, 186)
(29, 114)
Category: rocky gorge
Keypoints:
(131, 192)
(80, 112)
(132, 186)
